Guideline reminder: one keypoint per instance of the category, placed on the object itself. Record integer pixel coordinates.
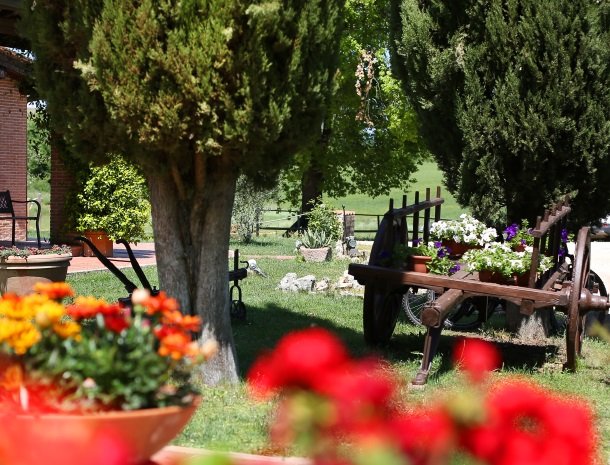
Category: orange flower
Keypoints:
(160, 304)
(184, 322)
(12, 377)
(177, 345)
(55, 291)
(89, 307)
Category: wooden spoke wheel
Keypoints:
(580, 279)
(381, 309)
(381, 305)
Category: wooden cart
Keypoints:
(568, 286)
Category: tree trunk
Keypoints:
(536, 327)
(191, 222)
(311, 189)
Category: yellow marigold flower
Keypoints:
(12, 377)
(8, 327)
(49, 313)
(22, 340)
(67, 329)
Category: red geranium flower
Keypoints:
(528, 425)
(476, 357)
(426, 435)
(300, 359)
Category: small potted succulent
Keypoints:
(314, 246)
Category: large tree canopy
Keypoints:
(369, 142)
(194, 91)
(513, 98)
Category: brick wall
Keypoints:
(13, 154)
(62, 182)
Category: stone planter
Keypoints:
(316, 255)
(19, 274)
(129, 437)
(101, 241)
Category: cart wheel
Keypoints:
(468, 315)
(599, 316)
(414, 301)
(580, 277)
(380, 313)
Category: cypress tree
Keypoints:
(514, 100)
(195, 92)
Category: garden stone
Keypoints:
(306, 283)
(287, 283)
(322, 285)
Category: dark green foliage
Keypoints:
(39, 145)
(185, 77)
(369, 142)
(514, 100)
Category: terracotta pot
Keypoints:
(101, 241)
(457, 249)
(419, 263)
(316, 255)
(77, 250)
(522, 279)
(112, 438)
(19, 275)
(519, 248)
(488, 276)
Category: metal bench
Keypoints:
(6, 208)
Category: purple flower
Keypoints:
(564, 235)
(511, 231)
(438, 244)
(455, 268)
(416, 242)
(441, 252)
(523, 242)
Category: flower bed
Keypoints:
(344, 411)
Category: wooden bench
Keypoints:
(567, 286)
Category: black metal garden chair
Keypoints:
(6, 208)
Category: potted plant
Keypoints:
(86, 373)
(323, 230)
(112, 204)
(500, 263)
(314, 246)
(430, 257)
(460, 235)
(21, 269)
(518, 237)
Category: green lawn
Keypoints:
(428, 176)
(228, 420)
(40, 190)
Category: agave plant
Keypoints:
(315, 239)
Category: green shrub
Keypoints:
(113, 198)
(248, 206)
(323, 218)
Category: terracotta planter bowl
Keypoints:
(19, 275)
(110, 438)
(101, 241)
